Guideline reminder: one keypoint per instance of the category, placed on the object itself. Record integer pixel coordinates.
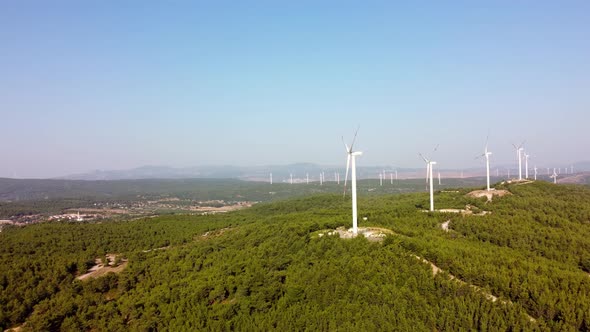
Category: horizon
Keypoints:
(118, 86)
(581, 166)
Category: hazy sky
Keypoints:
(109, 84)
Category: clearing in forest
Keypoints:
(99, 269)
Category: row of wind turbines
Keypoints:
(351, 164)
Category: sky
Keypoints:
(88, 85)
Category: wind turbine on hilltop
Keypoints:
(487, 155)
(518, 155)
(429, 165)
(535, 169)
(351, 163)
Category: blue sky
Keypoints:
(111, 85)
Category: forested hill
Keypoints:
(265, 268)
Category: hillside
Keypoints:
(265, 268)
(580, 178)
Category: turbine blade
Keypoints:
(345, 145)
(346, 177)
(354, 138)
(435, 148)
(421, 156)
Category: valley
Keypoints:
(523, 266)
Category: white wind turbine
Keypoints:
(291, 180)
(535, 169)
(351, 163)
(381, 179)
(526, 165)
(487, 155)
(518, 155)
(306, 178)
(270, 178)
(554, 177)
(429, 165)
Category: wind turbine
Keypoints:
(572, 169)
(535, 169)
(439, 178)
(554, 176)
(429, 165)
(526, 165)
(291, 180)
(306, 178)
(270, 178)
(487, 155)
(518, 155)
(351, 163)
(381, 179)
(391, 177)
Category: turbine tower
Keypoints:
(487, 155)
(351, 163)
(429, 165)
(439, 178)
(306, 178)
(291, 180)
(518, 155)
(381, 179)
(270, 178)
(526, 165)
(535, 169)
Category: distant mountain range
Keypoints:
(283, 172)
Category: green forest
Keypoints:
(264, 268)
